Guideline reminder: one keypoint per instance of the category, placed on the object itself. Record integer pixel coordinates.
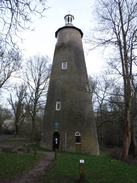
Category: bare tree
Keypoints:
(101, 89)
(37, 78)
(10, 62)
(18, 105)
(17, 15)
(117, 31)
(108, 106)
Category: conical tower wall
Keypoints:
(70, 87)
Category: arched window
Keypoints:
(77, 138)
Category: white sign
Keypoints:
(81, 161)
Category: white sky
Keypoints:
(43, 40)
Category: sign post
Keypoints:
(82, 171)
(35, 153)
(56, 154)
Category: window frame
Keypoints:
(87, 85)
(66, 65)
(58, 105)
(77, 138)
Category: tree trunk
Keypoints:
(33, 129)
(127, 133)
(133, 121)
(33, 126)
(17, 128)
(133, 136)
(126, 143)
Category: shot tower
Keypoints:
(69, 123)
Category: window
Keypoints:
(58, 105)
(88, 88)
(68, 19)
(64, 65)
(77, 138)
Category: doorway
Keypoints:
(56, 139)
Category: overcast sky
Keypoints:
(43, 40)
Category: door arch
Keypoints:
(56, 140)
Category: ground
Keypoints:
(34, 174)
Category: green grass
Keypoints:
(13, 164)
(101, 169)
(15, 142)
(1, 135)
(37, 146)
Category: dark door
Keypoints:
(56, 138)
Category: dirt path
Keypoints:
(5, 137)
(34, 174)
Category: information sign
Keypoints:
(56, 125)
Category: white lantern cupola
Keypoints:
(68, 20)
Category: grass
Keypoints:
(1, 135)
(37, 146)
(13, 164)
(101, 169)
(15, 142)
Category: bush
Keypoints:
(115, 153)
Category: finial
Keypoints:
(68, 19)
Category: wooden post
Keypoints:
(28, 150)
(24, 147)
(15, 150)
(56, 154)
(82, 171)
(35, 153)
(31, 151)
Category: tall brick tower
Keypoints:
(69, 123)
